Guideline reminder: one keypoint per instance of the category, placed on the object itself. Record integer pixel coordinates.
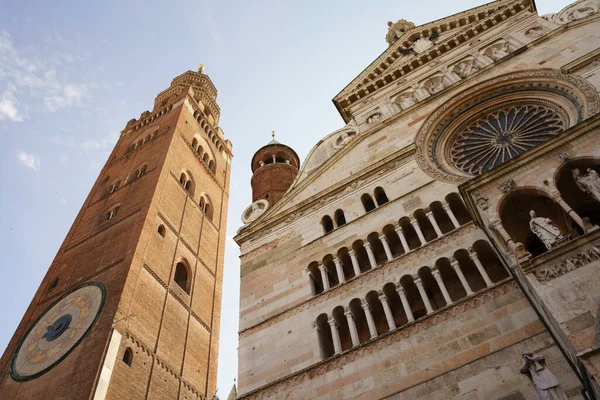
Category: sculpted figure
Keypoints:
(544, 381)
(498, 53)
(588, 183)
(581, 13)
(343, 139)
(465, 69)
(544, 229)
(436, 86)
(407, 100)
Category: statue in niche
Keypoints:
(544, 381)
(545, 230)
(436, 85)
(407, 100)
(580, 13)
(344, 138)
(465, 68)
(589, 183)
(374, 118)
(498, 53)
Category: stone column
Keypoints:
(461, 276)
(386, 247)
(446, 207)
(400, 233)
(339, 270)
(486, 278)
(436, 227)
(335, 334)
(372, 260)
(324, 277)
(415, 225)
(405, 305)
(352, 327)
(387, 310)
(574, 216)
(426, 301)
(365, 306)
(355, 265)
(440, 282)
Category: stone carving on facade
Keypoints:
(420, 45)
(574, 12)
(545, 383)
(396, 30)
(254, 210)
(481, 200)
(436, 83)
(373, 118)
(569, 264)
(465, 68)
(545, 230)
(343, 139)
(498, 50)
(406, 99)
(562, 157)
(507, 185)
(534, 32)
(588, 183)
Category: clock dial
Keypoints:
(58, 331)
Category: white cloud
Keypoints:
(8, 107)
(30, 160)
(71, 95)
(102, 143)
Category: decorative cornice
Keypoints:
(163, 364)
(131, 152)
(363, 279)
(581, 62)
(385, 340)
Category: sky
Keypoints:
(72, 73)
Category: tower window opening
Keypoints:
(53, 284)
(128, 356)
(327, 224)
(340, 218)
(161, 230)
(367, 202)
(181, 277)
(112, 213)
(114, 187)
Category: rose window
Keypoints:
(495, 137)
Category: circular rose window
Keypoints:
(495, 136)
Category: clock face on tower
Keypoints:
(58, 331)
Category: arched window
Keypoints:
(112, 213)
(161, 230)
(211, 166)
(182, 277)
(367, 202)
(206, 207)
(195, 144)
(53, 284)
(114, 187)
(327, 224)
(128, 356)
(187, 183)
(183, 179)
(340, 218)
(380, 196)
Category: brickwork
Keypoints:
(173, 334)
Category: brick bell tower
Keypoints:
(130, 306)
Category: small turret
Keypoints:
(274, 168)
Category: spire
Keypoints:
(273, 141)
(233, 393)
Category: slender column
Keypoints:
(434, 223)
(365, 306)
(386, 247)
(558, 198)
(387, 310)
(415, 225)
(335, 334)
(486, 278)
(324, 277)
(446, 207)
(352, 327)
(355, 265)
(372, 260)
(400, 233)
(421, 288)
(405, 305)
(339, 270)
(461, 276)
(440, 282)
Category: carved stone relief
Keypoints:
(569, 264)
(574, 12)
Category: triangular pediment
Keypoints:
(422, 44)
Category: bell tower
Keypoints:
(130, 306)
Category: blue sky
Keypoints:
(72, 73)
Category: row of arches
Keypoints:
(572, 207)
(142, 141)
(396, 304)
(205, 156)
(152, 118)
(396, 239)
(115, 185)
(328, 224)
(187, 183)
(212, 136)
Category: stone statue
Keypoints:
(437, 85)
(465, 69)
(580, 13)
(344, 139)
(544, 381)
(544, 229)
(498, 53)
(407, 100)
(589, 183)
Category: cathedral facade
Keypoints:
(445, 243)
(130, 306)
